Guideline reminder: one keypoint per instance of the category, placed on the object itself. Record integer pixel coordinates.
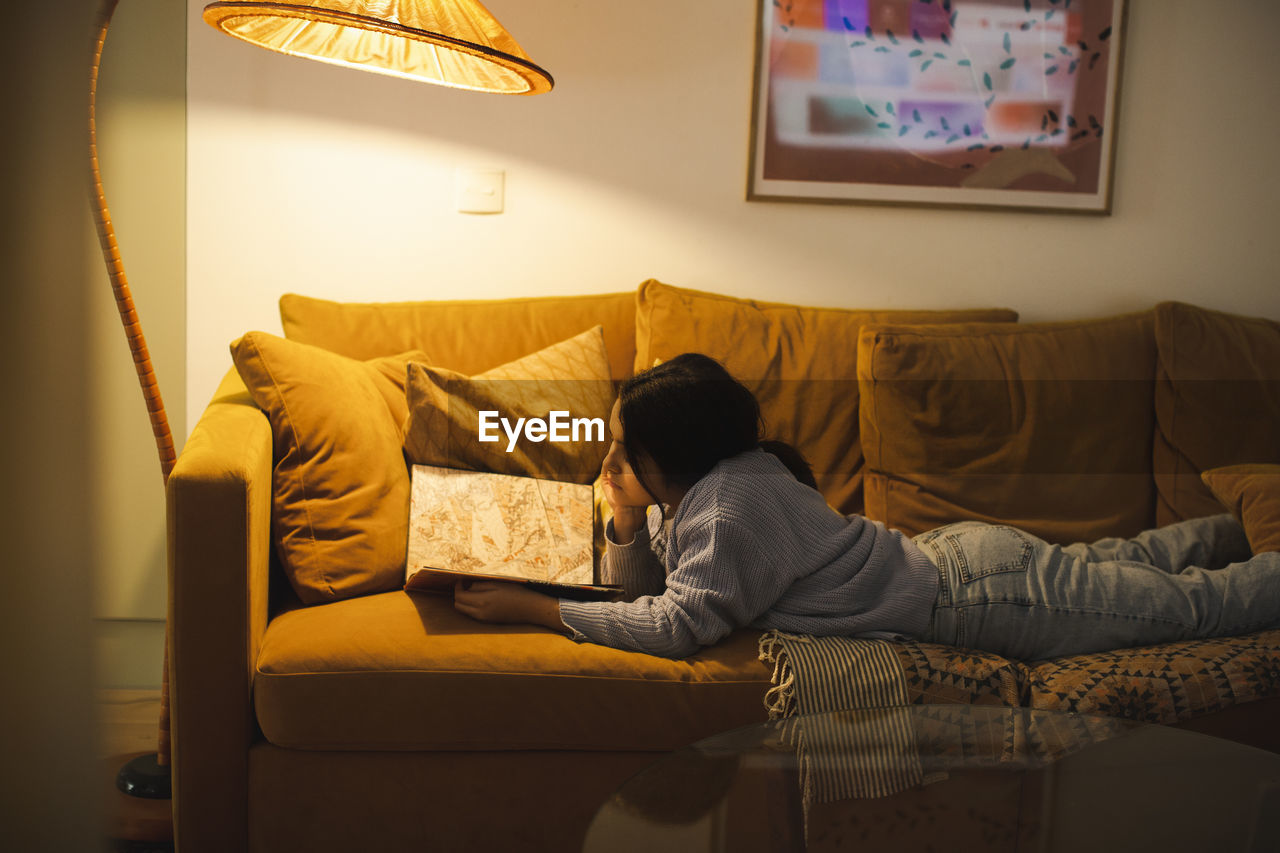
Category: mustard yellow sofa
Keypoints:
(383, 720)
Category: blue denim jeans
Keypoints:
(1007, 592)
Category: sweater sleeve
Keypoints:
(635, 566)
(722, 582)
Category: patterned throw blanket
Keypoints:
(1166, 684)
(878, 755)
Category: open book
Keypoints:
(477, 525)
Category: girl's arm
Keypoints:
(633, 566)
(630, 560)
(726, 578)
(626, 522)
(496, 601)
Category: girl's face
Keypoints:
(621, 485)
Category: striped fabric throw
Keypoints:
(869, 753)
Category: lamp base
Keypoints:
(144, 777)
(133, 824)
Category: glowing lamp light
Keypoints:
(455, 43)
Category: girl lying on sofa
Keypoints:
(711, 531)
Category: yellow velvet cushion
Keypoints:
(1217, 402)
(572, 376)
(1043, 426)
(405, 671)
(469, 336)
(340, 490)
(800, 362)
(1252, 493)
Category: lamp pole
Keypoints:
(148, 775)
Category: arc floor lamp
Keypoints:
(455, 43)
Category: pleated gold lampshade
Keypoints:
(454, 43)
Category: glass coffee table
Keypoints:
(949, 778)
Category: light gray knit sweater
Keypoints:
(751, 546)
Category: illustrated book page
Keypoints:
(478, 525)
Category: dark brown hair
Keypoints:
(687, 414)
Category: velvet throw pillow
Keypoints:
(1217, 402)
(1045, 426)
(565, 387)
(800, 362)
(1252, 494)
(340, 489)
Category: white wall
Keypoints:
(305, 177)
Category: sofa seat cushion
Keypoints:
(1167, 683)
(401, 671)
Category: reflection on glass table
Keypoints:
(949, 777)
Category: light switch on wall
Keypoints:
(479, 190)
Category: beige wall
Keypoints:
(142, 143)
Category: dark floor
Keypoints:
(128, 726)
(118, 846)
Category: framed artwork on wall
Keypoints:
(955, 103)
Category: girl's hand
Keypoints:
(495, 601)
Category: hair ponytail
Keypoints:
(793, 459)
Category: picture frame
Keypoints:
(1005, 104)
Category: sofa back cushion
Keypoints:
(800, 362)
(1044, 426)
(468, 336)
(1217, 402)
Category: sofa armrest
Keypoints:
(219, 520)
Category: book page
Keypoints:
(500, 525)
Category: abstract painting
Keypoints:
(968, 103)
